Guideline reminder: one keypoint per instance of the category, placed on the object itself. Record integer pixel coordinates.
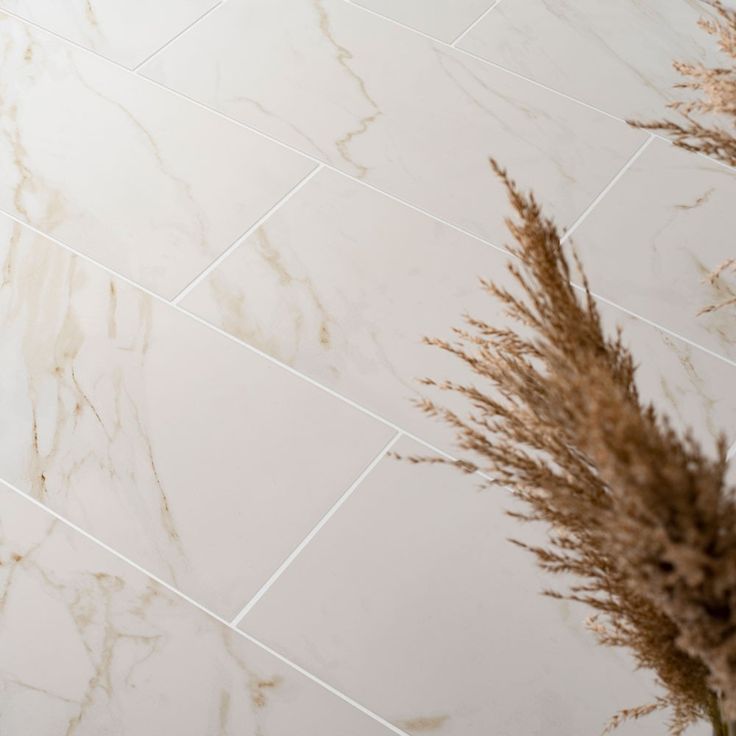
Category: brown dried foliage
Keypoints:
(717, 87)
(638, 513)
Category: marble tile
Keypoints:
(412, 600)
(90, 646)
(616, 56)
(414, 118)
(196, 458)
(442, 19)
(652, 241)
(140, 180)
(342, 283)
(126, 31)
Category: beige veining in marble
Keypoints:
(616, 56)
(126, 173)
(412, 117)
(413, 601)
(198, 459)
(441, 19)
(342, 283)
(652, 242)
(90, 646)
(126, 31)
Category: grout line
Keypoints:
(474, 24)
(234, 245)
(322, 387)
(395, 22)
(541, 85)
(74, 527)
(387, 724)
(659, 327)
(732, 452)
(607, 189)
(178, 35)
(84, 257)
(295, 553)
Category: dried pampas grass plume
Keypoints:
(637, 513)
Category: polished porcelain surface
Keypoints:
(91, 646)
(415, 118)
(126, 32)
(225, 229)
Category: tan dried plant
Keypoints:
(638, 513)
(717, 89)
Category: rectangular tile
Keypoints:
(414, 118)
(652, 241)
(126, 31)
(616, 56)
(91, 646)
(412, 599)
(442, 19)
(342, 283)
(138, 179)
(193, 456)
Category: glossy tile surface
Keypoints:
(342, 283)
(126, 31)
(652, 242)
(90, 646)
(385, 105)
(616, 56)
(442, 19)
(413, 600)
(128, 174)
(272, 203)
(201, 461)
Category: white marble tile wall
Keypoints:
(201, 461)
(342, 283)
(224, 230)
(615, 56)
(128, 174)
(127, 32)
(414, 118)
(91, 646)
(445, 20)
(413, 601)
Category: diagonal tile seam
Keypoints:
(235, 244)
(732, 452)
(313, 533)
(462, 35)
(177, 36)
(298, 668)
(611, 184)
